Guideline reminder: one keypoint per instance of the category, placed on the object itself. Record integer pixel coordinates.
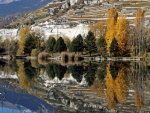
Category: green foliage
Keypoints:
(102, 46)
(77, 44)
(32, 41)
(114, 48)
(13, 47)
(29, 44)
(60, 45)
(90, 43)
(9, 45)
(50, 43)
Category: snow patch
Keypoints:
(62, 30)
(8, 33)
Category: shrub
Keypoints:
(34, 52)
(43, 55)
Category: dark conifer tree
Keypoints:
(90, 43)
(101, 44)
(50, 44)
(77, 44)
(60, 45)
(114, 48)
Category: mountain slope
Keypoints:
(21, 6)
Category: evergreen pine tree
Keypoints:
(77, 44)
(50, 44)
(90, 43)
(60, 45)
(102, 47)
(114, 48)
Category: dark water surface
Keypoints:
(85, 87)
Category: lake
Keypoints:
(31, 86)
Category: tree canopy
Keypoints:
(77, 44)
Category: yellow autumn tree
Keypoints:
(121, 35)
(111, 22)
(21, 43)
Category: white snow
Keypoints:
(47, 30)
(62, 30)
(8, 33)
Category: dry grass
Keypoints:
(44, 61)
(44, 55)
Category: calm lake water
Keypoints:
(81, 87)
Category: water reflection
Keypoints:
(122, 86)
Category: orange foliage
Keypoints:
(121, 36)
(111, 22)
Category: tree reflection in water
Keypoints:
(77, 72)
(26, 74)
(90, 73)
(138, 76)
(121, 83)
(56, 70)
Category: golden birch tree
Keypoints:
(121, 35)
(111, 22)
(22, 37)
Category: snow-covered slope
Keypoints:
(8, 33)
(62, 30)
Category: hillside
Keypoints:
(69, 17)
(85, 13)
